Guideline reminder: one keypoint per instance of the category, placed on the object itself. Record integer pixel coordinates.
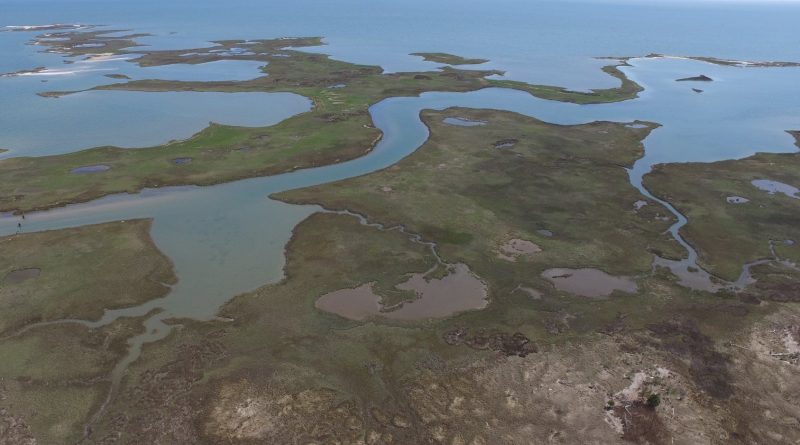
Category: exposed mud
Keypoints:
(556, 396)
(708, 367)
(516, 248)
(779, 341)
(244, 411)
(14, 430)
(641, 424)
(516, 344)
(638, 387)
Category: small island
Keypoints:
(118, 76)
(700, 78)
(449, 59)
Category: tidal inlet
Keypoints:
(350, 222)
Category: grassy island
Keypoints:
(449, 59)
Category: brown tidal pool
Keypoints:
(458, 291)
(593, 283)
(18, 276)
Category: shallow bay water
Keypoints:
(542, 41)
(37, 126)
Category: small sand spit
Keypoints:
(737, 200)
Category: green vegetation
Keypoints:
(55, 377)
(728, 235)
(77, 273)
(449, 59)
(477, 196)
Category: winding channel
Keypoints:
(229, 238)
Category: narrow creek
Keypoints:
(228, 239)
